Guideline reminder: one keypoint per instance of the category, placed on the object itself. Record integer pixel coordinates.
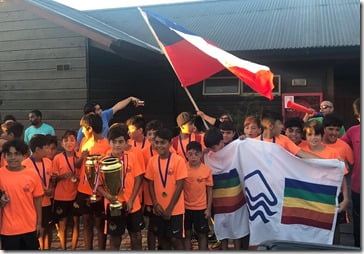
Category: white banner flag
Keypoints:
(288, 198)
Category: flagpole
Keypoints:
(163, 50)
(195, 106)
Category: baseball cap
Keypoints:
(183, 118)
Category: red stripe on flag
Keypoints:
(191, 64)
(261, 82)
(304, 221)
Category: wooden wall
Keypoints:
(30, 50)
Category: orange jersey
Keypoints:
(100, 147)
(326, 153)
(284, 142)
(19, 216)
(176, 170)
(139, 145)
(194, 187)
(179, 144)
(148, 152)
(131, 169)
(44, 171)
(303, 143)
(345, 152)
(65, 190)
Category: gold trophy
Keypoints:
(112, 171)
(92, 173)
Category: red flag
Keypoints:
(195, 59)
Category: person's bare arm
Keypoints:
(38, 208)
(123, 103)
(211, 120)
(177, 193)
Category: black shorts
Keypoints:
(47, 216)
(116, 225)
(148, 210)
(27, 241)
(63, 209)
(172, 228)
(197, 220)
(82, 205)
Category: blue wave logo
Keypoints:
(260, 204)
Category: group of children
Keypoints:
(164, 184)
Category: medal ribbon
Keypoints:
(44, 180)
(180, 141)
(151, 150)
(69, 164)
(135, 143)
(273, 140)
(164, 180)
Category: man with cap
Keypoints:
(326, 107)
(185, 122)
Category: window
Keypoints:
(231, 85)
(221, 86)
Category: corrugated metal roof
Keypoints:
(252, 24)
(234, 25)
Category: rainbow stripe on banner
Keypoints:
(227, 194)
(309, 204)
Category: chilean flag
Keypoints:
(195, 59)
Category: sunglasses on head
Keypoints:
(325, 106)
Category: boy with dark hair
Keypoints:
(21, 200)
(228, 131)
(10, 130)
(93, 143)
(213, 139)
(37, 126)
(53, 146)
(332, 126)
(43, 166)
(166, 173)
(198, 197)
(132, 172)
(272, 127)
(136, 127)
(148, 152)
(294, 130)
(66, 188)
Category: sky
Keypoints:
(104, 4)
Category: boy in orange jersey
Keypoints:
(252, 127)
(10, 130)
(21, 202)
(185, 123)
(136, 127)
(133, 173)
(314, 134)
(332, 127)
(43, 166)
(93, 143)
(66, 188)
(294, 130)
(53, 146)
(198, 197)
(272, 128)
(148, 152)
(166, 173)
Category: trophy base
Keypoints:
(117, 209)
(93, 199)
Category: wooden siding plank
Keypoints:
(69, 42)
(16, 15)
(44, 64)
(42, 74)
(41, 33)
(54, 104)
(44, 94)
(13, 85)
(42, 54)
(26, 25)
(47, 115)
